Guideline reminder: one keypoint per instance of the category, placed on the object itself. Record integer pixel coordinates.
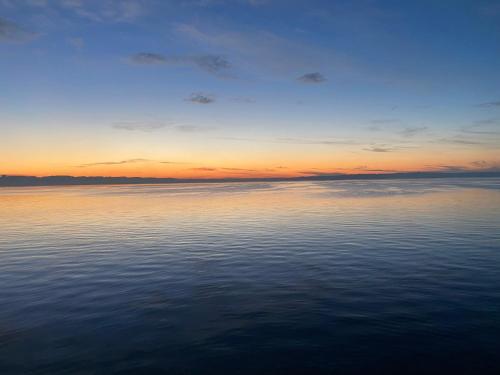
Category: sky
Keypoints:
(248, 88)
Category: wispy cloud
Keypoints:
(148, 58)
(105, 11)
(120, 162)
(214, 64)
(10, 32)
(76, 42)
(200, 98)
(459, 141)
(208, 3)
(204, 169)
(192, 128)
(486, 165)
(486, 127)
(150, 126)
(490, 104)
(412, 131)
(312, 78)
(141, 126)
(314, 172)
(385, 121)
(239, 170)
(297, 141)
(265, 51)
(380, 149)
(242, 99)
(128, 161)
(451, 168)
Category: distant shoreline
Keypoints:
(19, 181)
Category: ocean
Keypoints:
(333, 277)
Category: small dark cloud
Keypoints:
(204, 169)
(490, 104)
(412, 131)
(200, 98)
(211, 63)
(13, 33)
(312, 78)
(148, 58)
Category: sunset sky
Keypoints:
(245, 88)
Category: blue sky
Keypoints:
(325, 85)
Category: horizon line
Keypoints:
(62, 180)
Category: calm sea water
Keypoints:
(246, 278)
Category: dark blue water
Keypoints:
(282, 278)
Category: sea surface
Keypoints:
(339, 277)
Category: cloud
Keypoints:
(265, 53)
(204, 169)
(141, 126)
(383, 121)
(13, 33)
(241, 99)
(451, 168)
(210, 63)
(379, 149)
(239, 170)
(192, 128)
(105, 11)
(319, 173)
(147, 58)
(460, 141)
(297, 141)
(306, 141)
(412, 131)
(312, 78)
(214, 64)
(128, 161)
(200, 98)
(207, 3)
(149, 126)
(486, 165)
(490, 104)
(76, 42)
(486, 127)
